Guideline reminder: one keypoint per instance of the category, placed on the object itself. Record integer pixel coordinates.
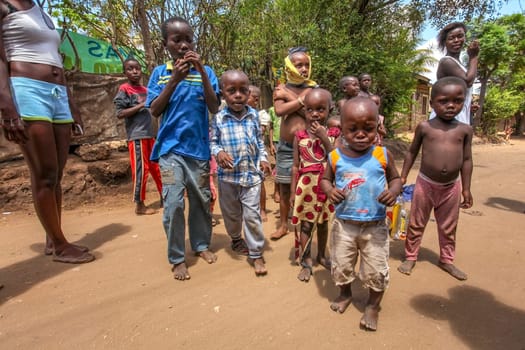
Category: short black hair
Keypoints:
(450, 80)
(130, 58)
(442, 36)
(344, 79)
(164, 25)
(362, 75)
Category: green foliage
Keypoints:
(500, 104)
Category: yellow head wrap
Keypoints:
(292, 74)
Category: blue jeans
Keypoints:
(240, 208)
(181, 173)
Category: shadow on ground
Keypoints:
(476, 317)
(24, 275)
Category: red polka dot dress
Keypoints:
(310, 201)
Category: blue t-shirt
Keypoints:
(363, 180)
(184, 125)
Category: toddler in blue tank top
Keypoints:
(361, 180)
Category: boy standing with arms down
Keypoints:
(361, 179)
(183, 91)
(237, 144)
(129, 104)
(444, 176)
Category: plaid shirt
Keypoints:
(241, 139)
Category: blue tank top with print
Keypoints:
(363, 180)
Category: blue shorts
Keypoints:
(40, 100)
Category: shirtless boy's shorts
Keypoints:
(284, 163)
(39, 100)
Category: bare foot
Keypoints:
(280, 233)
(259, 266)
(70, 254)
(406, 267)
(264, 217)
(453, 271)
(341, 303)
(325, 262)
(305, 273)
(180, 272)
(370, 317)
(208, 256)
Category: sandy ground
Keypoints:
(127, 298)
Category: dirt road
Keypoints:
(127, 298)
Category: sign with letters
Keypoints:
(95, 56)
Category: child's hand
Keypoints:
(387, 198)
(224, 160)
(195, 59)
(272, 149)
(266, 168)
(473, 49)
(467, 200)
(180, 70)
(336, 195)
(318, 130)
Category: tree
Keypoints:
(501, 64)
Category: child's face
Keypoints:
(235, 90)
(333, 123)
(317, 107)
(366, 81)
(301, 62)
(253, 98)
(133, 72)
(351, 87)
(448, 102)
(455, 40)
(179, 39)
(359, 126)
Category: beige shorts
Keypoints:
(347, 240)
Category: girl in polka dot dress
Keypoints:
(309, 202)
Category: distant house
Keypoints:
(420, 101)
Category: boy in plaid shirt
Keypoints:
(236, 143)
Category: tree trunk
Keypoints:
(478, 118)
(146, 36)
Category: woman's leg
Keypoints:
(46, 155)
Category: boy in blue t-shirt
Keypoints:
(356, 181)
(183, 91)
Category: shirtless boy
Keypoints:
(288, 103)
(349, 86)
(444, 176)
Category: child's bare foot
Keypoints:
(180, 272)
(453, 271)
(370, 317)
(343, 301)
(264, 217)
(406, 267)
(259, 267)
(141, 209)
(325, 262)
(208, 256)
(70, 254)
(305, 273)
(280, 233)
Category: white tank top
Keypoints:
(29, 38)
